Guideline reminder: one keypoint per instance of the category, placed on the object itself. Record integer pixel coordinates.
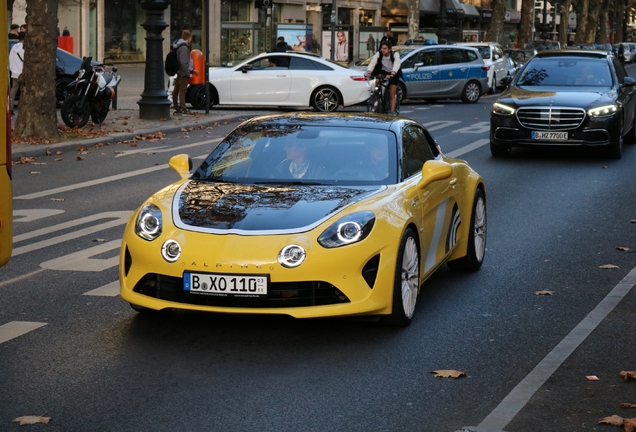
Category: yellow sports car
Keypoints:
(308, 215)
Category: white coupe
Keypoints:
(283, 79)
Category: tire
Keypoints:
(325, 99)
(631, 135)
(471, 92)
(499, 151)
(615, 149)
(74, 115)
(98, 117)
(431, 101)
(374, 103)
(61, 90)
(406, 284)
(476, 238)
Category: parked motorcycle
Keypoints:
(90, 95)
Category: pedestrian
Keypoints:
(186, 69)
(388, 37)
(281, 45)
(370, 45)
(16, 62)
(23, 28)
(621, 54)
(13, 31)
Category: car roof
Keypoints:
(343, 119)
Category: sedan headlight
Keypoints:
(502, 109)
(149, 222)
(350, 229)
(602, 110)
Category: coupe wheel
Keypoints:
(325, 99)
(471, 93)
(196, 97)
(407, 281)
(476, 237)
(74, 114)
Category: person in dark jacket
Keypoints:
(281, 45)
(186, 68)
(388, 38)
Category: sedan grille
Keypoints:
(281, 294)
(550, 118)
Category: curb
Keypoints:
(36, 150)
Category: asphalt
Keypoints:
(123, 123)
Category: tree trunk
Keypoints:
(619, 17)
(526, 23)
(581, 22)
(495, 29)
(604, 34)
(565, 22)
(37, 115)
(414, 19)
(592, 20)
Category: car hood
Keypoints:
(256, 209)
(579, 97)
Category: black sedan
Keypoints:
(566, 97)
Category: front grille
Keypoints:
(554, 119)
(281, 294)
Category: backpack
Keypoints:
(172, 64)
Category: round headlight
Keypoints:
(149, 222)
(291, 256)
(349, 232)
(171, 250)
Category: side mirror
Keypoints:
(629, 82)
(181, 164)
(246, 68)
(434, 170)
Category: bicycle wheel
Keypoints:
(374, 104)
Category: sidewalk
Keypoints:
(124, 122)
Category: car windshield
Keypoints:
(484, 50)
(302, 154)
(565, 71)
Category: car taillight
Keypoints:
(8, 134)
(485, 67)
(358, 78)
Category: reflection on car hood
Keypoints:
(258, 209)
(580, 97)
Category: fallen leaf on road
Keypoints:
(98, 145)
(99, 240)
(58, 152)
(630, 424)
(628, 374)
(58, 159)
(80, 158)
(628, 405)
(448, 373)
(23, 160)
(622, 248)
(35, 172)
(612, 420)
(592, 378)
(81, 148)
(609, 266)
(29, 420)
(543, 292)
(84, 152)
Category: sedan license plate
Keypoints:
(550, 136)
(225, 285)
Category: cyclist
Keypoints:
(387, 62)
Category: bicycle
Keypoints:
(377, 102)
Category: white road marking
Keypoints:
(440, 124)
(163, 149)
(521, 394)
(21, 277)
(468, 148)
(17, 328)
(34, 214)
(121, 217)
(481, 127)
(108, 290)
(82, 261)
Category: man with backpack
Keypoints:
(186, 68)
(387, 62)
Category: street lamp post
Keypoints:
(154, 103)
(442, 23)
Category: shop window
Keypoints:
(186, 15)
(123, 32)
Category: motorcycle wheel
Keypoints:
(98, 116)
(73, 113)
(61, 89)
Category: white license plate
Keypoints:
(550, 136)
(225, 285)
